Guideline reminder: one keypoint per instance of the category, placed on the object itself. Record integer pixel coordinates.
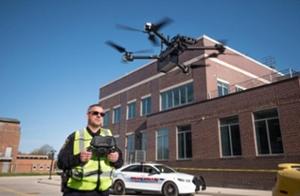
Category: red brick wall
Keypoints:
(9, 137)
(32, 166)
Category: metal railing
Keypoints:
(255, 82)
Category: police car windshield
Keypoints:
(164, 169)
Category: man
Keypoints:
(88, 174)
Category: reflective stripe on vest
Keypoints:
(85, 177)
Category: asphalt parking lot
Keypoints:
(42, 185)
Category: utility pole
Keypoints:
(51, 154)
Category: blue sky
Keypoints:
(53, 59)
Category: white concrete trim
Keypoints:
(146, 96)
(129, 133)
(131, 101)
(116, 106)
(223, 81)
(176, 85)
(239, 53)
(240, 87)
(238, 70)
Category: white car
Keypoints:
(153, 177)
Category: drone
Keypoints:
(170, 48)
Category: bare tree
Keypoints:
(43, 150)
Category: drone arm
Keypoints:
(163, 39)
(145, 57)
(220, 48)
(133, 57)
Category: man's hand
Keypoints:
(113, 157)
(85, 156)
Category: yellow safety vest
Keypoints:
(85, 177)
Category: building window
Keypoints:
(130, 148)
(117, 115)
(131, 110)
(146, 106)
(184, 141)
(162, 144)
(223, 88)
(268, 134)
(106, 119)
(230, 136)
(177, 96)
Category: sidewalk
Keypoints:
(210, 191)
(235, 192)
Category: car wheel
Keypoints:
(119, 188)
(170, 189)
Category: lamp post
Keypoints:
(51, 153)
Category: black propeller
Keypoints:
(128, 28)
(162, 23)
(116, 46)
(149, 29)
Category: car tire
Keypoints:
(119, 188)
(170, 189)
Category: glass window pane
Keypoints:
(190, 93)
(176, 97)
(170, 99)
(261, 137)
(162, 143)
(235, 140)
(225, 141)
(163, 101)
(189, 153)
(275, 136)
(183, 94)
(184, 142)
(181, 146)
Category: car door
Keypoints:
(133, 176)
(151, 178)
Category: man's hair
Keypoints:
(93, 105)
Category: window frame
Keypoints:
(185, 142)
(167, 95)
(229, 125)
(267, 131)
(148, 110)
(115, 108)
(163, 136)
(130, 115)
(222, 83)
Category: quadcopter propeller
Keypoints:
(128, 28)
(128, 56)
(116, 46)
(162, 23)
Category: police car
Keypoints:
(153, 177)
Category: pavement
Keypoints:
(210, 191)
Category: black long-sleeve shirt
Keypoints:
(67, 160)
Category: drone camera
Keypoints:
(148, 26)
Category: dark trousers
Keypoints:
(86, 193)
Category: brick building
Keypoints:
(232, 121)
(9, 143)
(27, 163)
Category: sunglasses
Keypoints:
(95, 113)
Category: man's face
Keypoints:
(95, 116)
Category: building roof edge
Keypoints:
(9, 120)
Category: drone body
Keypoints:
(168, 57)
